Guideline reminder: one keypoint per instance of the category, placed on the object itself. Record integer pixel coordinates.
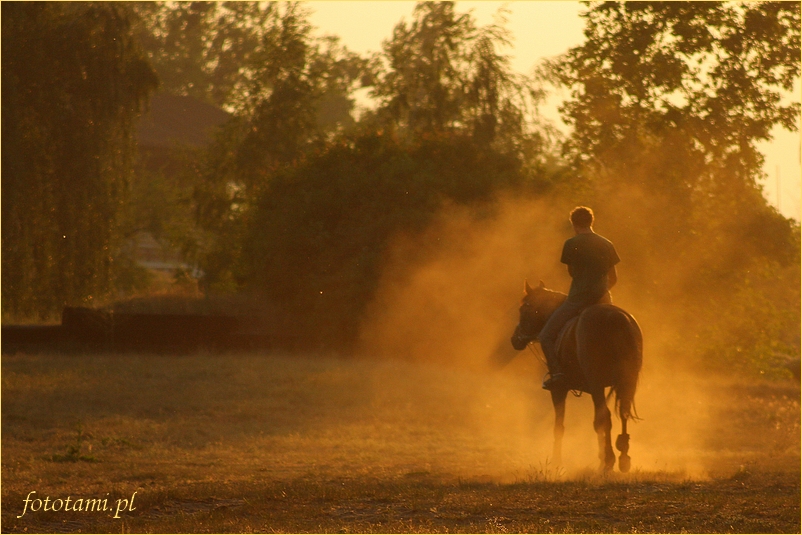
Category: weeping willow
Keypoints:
(74, 81)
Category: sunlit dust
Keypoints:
(450, 298)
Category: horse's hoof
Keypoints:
(624, 463)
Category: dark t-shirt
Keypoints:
(590, 257)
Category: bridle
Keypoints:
(522, 334)
(522, 337)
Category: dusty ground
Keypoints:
(271, 443)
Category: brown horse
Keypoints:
(602, 347)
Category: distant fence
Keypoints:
(89, 329)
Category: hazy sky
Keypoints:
(541, 29)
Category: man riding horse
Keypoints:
(591, 261)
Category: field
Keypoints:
(278, 443)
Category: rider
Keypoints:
(591, 261)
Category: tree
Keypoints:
(225, 53)
(316, 239)
(464, 96)
(704, 78)
(441, 73)
(668, 100)
(296, 99)
(207, 50)
(74, 80)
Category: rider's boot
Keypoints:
(556, 377)
(556, 380)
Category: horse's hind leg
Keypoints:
(622, 445)
(603, 424)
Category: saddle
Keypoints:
(567, 337)
(566, 348)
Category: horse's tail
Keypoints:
(630, 359)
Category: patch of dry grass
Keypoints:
(242, 443)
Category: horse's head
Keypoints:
(536, 306)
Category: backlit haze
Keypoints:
(540, 29)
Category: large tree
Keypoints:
(296, 98)
(317, 239)
(702, 79)
(230, 53)
(441, 73)
(440, 78)
(668, 101)
(207, 50)
(74, 80)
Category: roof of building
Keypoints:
(179, 120)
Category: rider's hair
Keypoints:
(582, 217)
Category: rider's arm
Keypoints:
(612, 277)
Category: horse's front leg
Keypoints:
(603, 424)
(558, 399)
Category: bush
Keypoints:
(316, 238)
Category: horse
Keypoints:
(602, 347)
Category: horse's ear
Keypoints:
(527, 289)
(542, 285)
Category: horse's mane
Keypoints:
(554, 294)
(545, 296)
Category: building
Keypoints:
(172, 127)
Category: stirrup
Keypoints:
(555, 380)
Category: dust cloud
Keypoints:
(449, 299)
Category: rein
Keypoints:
(538, 354)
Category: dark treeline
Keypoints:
(298, 197)
(74, 80)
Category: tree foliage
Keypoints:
(207, 50)
(442, 73)
(712, 70)
(297, 97)
(288, 92)
(668, 101)
(461, 85)
(297, 200)
(317, 239)
(74, 80)
(697, 82)
(233, 54)
(671, 98)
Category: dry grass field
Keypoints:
(272, 443)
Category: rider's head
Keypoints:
(582, 217)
